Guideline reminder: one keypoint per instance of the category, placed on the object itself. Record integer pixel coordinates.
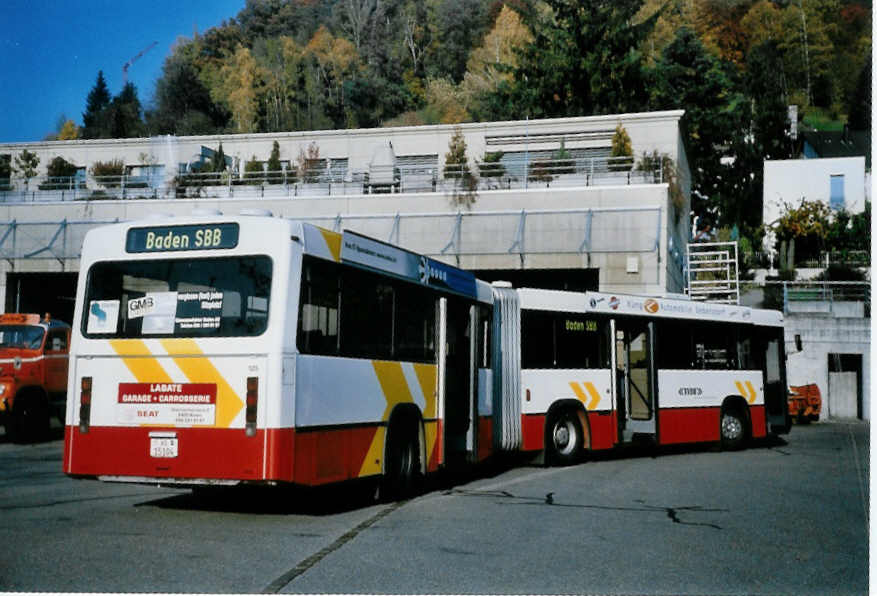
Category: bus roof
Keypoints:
(658, 307)
(182, 235)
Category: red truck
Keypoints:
(805, 403)
(33, 373)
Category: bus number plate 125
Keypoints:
(163, 445)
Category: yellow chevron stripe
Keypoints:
(372, 464)
(333, 242)
(201, 370)
(396, 391)
(748, 392)
(426, 377)
(140, 361)
(393, 384)
(595, 396)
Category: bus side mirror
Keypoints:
(799, 345)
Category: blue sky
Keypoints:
(52, 50)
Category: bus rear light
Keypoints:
(85, 404)
(252, 404)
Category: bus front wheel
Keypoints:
(564, 438)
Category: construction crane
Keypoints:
(134, 59)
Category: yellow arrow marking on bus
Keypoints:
(199, 369)
(750, 396)
(592, 391)
(396, 391)
(140, 361)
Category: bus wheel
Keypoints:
(402, 476)
(564, 438)
(733, 428)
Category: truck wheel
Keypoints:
(30, 419)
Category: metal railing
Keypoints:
(331, 181)
(448, 234)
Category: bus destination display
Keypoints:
(188, 237)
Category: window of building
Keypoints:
(837, 199)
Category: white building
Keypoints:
(839, 182)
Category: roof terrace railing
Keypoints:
(332, 180)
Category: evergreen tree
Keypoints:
(584, 60)
(859, 117)
(688, 77)
(274, 168)
(124, 116)
(621, 148)
(96, 103)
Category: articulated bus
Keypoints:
(600, 370)
(219, 350)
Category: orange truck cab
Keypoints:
(33, 373)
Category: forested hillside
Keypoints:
(733, 65)
(315, 64)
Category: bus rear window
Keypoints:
(220, 297)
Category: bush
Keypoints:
(491, 166)
(108, 173)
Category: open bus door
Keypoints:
(775, 397)
(457, 382)
(634, 378)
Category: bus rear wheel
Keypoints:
(402, 474)
(564, 438)
(733, 428)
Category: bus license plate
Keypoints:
(163, 446)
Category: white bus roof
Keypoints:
(184, 236)
(658, 307)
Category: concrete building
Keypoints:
(581, 222)
(835, 355)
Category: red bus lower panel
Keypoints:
(688, 425)
(307, 458)
(604, 429)
(203, 453)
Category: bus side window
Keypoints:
(414, 324)
(580, 342)
(366, 315)
(674, 345)
(318, 315)
(537, 339)
(715, 347)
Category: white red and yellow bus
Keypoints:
(221, 350)
(599, 370)
(226, 350)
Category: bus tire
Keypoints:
(564, 438)
(732, 428)
(402, 475)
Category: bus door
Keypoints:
(457, 381)
(774, 372)
(634, 378)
